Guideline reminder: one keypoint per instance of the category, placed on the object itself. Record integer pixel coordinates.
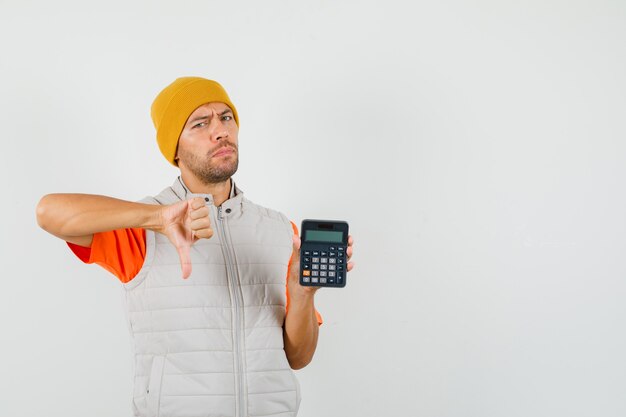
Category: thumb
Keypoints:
(294, 261)
(185, 259)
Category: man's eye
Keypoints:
(227, 118)
(199, 125)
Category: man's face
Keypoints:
(208, 143)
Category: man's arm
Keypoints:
(301, 329)
(76, 217)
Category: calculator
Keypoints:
(323, 259)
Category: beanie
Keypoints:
(173, 106)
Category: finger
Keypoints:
(206, 233)
(185, 260)
(203, 223)
(197, 202)
(350, 266)
(350, 250)
(199, 213)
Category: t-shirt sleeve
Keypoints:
(317, 314)
(120, 252)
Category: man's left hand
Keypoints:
(294, 267)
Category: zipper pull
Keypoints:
(219, 213)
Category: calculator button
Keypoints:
(324, 253)
(323, 274)
(316, 253)
(340, 261)
(340, 249)
(322, 280)
(316, 266)
(323, 267)
(332, 260)
(306, 266)
(339, 268)
(331, 280)
(316, 260)
(324, 260)
(307, 259)
(332, 254)
(332, 267)
(314, 280)
(306, 279)
(306, 273)
(315, 273)
(307, 253)
(331, 273)
(333, 248)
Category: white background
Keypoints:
(476, 149)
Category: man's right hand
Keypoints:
(184, 223)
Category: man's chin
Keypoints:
(221, 175)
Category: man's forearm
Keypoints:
(83, 214)
(301, 330)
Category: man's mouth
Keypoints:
(226, 150)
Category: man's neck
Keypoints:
(220, 190)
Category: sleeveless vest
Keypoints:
(212, 345)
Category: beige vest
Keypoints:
(212, 345)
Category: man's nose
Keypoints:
(218, 131)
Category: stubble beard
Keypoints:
(204, 168)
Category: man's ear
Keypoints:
(176, 157)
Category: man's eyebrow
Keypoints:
(206, 117)
(198, 118)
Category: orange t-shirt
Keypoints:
(123, 251)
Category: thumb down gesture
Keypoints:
(184, 223)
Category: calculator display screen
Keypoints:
(323, 236)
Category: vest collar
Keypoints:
(234, 200)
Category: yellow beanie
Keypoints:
(173, 106)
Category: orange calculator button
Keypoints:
(306, 273)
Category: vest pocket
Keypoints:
(298, 395)
(153, 393)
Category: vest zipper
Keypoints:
(232, 276)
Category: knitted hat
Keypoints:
(173, 106)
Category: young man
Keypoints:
(221, 340)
